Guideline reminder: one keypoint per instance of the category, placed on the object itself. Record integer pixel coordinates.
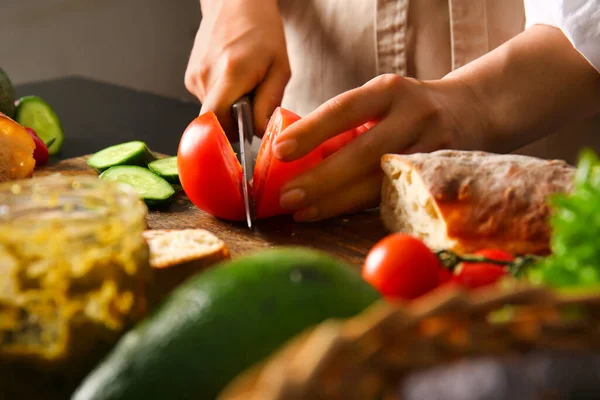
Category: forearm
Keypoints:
(207, 6)
(525, 89)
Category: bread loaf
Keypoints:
(465, 201)
(16, 151)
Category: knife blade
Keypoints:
(242, 114)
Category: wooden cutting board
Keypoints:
(349, 238)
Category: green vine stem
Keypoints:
(451, 260)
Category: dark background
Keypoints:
(95, 115)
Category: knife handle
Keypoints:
(244, 101)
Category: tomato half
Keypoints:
(209, 171)
(337, 142)
(270, 174)
(402, 266)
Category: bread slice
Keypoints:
(175, 255)
(16, 151)
(465, 201)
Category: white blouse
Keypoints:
(578, 19)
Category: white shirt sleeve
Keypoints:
(578, 19)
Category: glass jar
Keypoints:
(73, 274)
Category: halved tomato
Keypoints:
(337, 142)
(209, 171)
(270, 174)
(212, 176)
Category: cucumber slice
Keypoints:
(130, 153)
(167, 168)
(33, 112)
(154, 190)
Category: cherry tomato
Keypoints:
(495, 254)
(402, 266)
(40, 154)
(474, 275)
(209, 171)
(444, 276)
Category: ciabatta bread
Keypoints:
(465, 201)
(175, 255)
(16, 151)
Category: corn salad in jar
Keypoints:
(74, 274)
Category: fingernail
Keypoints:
(292, 198)
(307, 215)
(285, 148)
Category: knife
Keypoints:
(242, 115)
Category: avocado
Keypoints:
(7, 95)
(223, 321)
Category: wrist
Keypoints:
(512, 96)
(462, 115)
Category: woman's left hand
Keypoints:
(410, 116)
(500, 102)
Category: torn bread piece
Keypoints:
(465, 201)
(175, 255)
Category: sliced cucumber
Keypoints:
(130, 153)
(167, 168)
(154, 190)
(33, 112)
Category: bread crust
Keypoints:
(178, 267)
(486, 200)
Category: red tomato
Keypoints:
(40, 154)
(444, 276)
(402, 266)
(474, 275)
(212, 178)
(336, 143)
(209, 171)
(495, 254)
(270, 174)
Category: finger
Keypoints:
(221, 97)
(357, 159)
(198, 70)
(193, 86)
(268, 95)
(346, 111)
(364, 194)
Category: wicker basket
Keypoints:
(367, 356)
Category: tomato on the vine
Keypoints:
(475, 275)
(402, 266)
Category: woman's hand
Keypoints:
(525, 89)
(239, 47)
(410, 116)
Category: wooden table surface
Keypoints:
(349, 238)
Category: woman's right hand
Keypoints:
(239, 47)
